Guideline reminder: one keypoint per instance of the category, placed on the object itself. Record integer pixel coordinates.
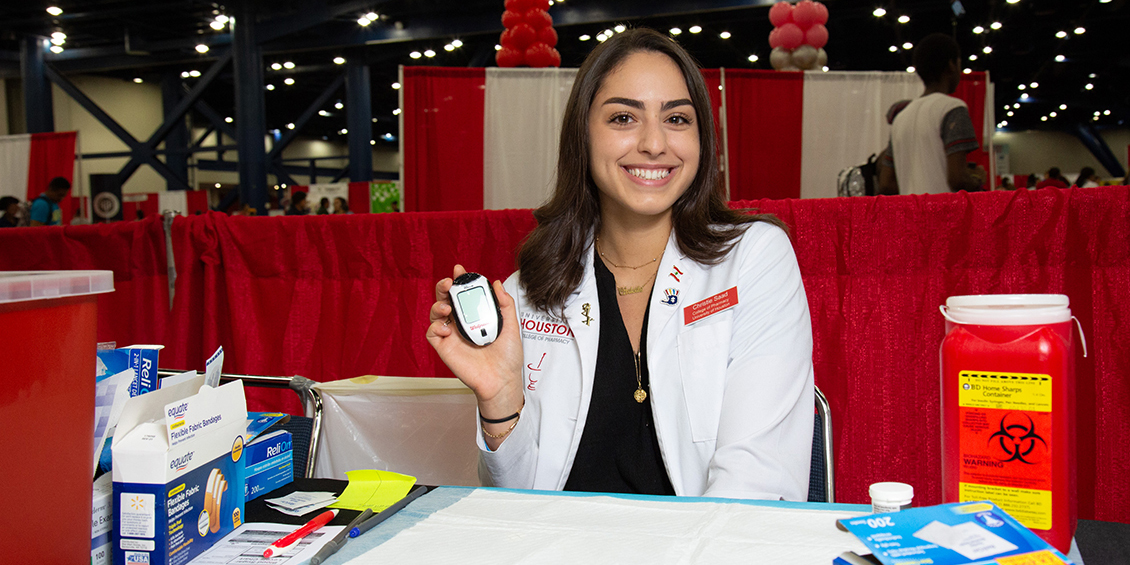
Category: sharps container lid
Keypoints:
(1009, 309)
(22, 286)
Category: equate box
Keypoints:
(101, 521)
(178, 465)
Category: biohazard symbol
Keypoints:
(1017, 440)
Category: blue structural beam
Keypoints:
(1098, 147)
(358, 119)
(37, 91)
(138, 150)
(295, 170)
(274, 157)
(176, 143)
(249, 109)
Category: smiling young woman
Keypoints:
(681, 356)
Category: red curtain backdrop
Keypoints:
(52, 155)
(764, 110)
(443, 138)
(339, 296)
(971, 89)
(138, 309)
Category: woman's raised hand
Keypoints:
(493, 372)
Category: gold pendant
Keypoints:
(640, 395)
(626, 290)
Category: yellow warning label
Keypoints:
(1042, 557)
(1005, 391)
(1033, 508)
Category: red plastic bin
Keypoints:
(48, 322)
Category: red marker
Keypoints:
(293, 537)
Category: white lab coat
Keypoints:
(732, 393)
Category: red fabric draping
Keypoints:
(338, 296)
(443, 138)
(971, 89)
(52, 155)
(359, 198)
(765, 113)
(876, 270)
(138, 309)
(326, 297)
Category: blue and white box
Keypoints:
(142, 359)
(178, 463)
(101, 521)
(270, 463)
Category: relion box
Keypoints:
(178, 465)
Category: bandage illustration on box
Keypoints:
(210, 517)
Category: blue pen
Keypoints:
(384, 514)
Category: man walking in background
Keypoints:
(45, 209)
(932, 134)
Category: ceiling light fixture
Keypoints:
(1061, 34)
(904, 19)
(456, 43)
(987, 50)
(620, 28)
(288, 65)
(429, 53)
(1009, 113)
(601, 37)
(396, 112)
(222, 19)
(1034, 85)
(138, 80)
(1063, 106)
(693, 29)
(288, 81)
(415, 54)
(585, 37)
(676, 31)
(973, 57)
(270, 87)
(216, 25)
(879, 12)
(910, 69)
(339, 60)
(449, 47)
(290, 126)
(1060, 58)
(339, 105)
(372, 16)
(995, 25)
(363, 21)
(978, 29)
(396, 86)
(724, 35)
(1024, 96)
(56, 49)
(893, 49)
(1080, 30)
(752, 58)
(1089, 86)
(967, 70)
(55, 11)
(908, 45)
(1021, 87)
(228, 119)
(201, 48)
(194, 73)
(276, 67)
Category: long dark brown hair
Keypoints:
(551, 258)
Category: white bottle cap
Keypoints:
(896, 494)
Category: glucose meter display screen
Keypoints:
(469, 301)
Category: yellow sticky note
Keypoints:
(371, 488)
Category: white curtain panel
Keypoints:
(522, 123)
(14, 160)
(845, 122)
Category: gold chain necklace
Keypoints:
(626, 290)
(640, 394)
(605, 257)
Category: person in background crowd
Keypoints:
(1053, 178)
(341, 206)
(931, 135)
(298, 205)
(45, 209)
(1032, 180)
(1087, 178)
(10, 206)
(323, 207)
(1006, 184)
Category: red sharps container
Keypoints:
(1008, 408)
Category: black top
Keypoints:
(619, 451)
(6, 222)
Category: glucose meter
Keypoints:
(475, 308)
